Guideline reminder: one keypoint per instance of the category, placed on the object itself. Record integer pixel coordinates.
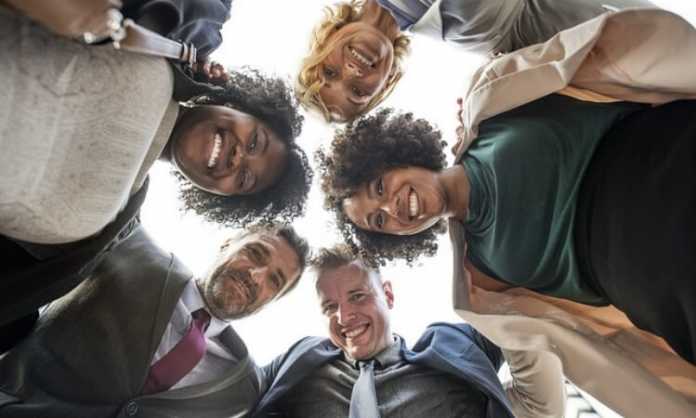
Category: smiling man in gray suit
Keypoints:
(364, 370)
(141, 337)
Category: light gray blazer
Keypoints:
(492, 26)
(91, 350)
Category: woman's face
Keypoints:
(356, 69)
(227, 152)
(402, 201)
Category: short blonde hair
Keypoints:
(310, 80)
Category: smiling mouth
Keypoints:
(354, 332)
(413, 204)
(214, 157)
(361, 57)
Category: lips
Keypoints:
(354, 332)
(365, 59)
(214, 156)
(413, 204)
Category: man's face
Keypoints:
(357, 307)
(249, 273)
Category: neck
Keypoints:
(456, 184)
(374, 14)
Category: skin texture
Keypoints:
(249, 273)
(354, 300)
(252, 156)
(350, 83)
(383, 204)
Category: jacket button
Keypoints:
(131, 409)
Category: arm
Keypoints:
(537, 388)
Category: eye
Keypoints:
(379, 186)
(253, 142)
(379, 220)
(330, 72)
(357, 297)
(329, 309)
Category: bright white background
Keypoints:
(272, 35)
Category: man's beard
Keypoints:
(229, 293)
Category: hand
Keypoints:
(460, 127)
(211, 72)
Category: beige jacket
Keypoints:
(642, 55)
(631, 371)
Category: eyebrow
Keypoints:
(370, 194)
(265, 254)
(265, 137)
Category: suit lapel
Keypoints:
(299, 364)
(475, 370)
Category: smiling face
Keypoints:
(356, 304)
(249, 273)
(402, 201)
(227, 152)
(356, 69)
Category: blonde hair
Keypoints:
(310, 81)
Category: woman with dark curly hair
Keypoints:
(526, 194)
(250, 148)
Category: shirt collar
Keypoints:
(193, 301)
(385, 358)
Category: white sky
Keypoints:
(272, 35)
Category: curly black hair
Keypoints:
(270, 100)
(361, 152)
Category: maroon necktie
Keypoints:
(178, 362)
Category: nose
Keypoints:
(259, 274)
(391, 206)
(353, 69)
(345, 314)
(237, 155)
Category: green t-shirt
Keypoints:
(525, 170)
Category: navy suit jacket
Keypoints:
(457, 349)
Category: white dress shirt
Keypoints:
(216, 358)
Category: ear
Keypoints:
(388, 293)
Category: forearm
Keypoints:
(537, 388)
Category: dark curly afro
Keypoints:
(364, 150)
(270, 100)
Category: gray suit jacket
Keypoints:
(91, 350)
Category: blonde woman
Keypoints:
(355, 56)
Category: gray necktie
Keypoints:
(363, 400)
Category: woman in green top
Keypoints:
(520, 194)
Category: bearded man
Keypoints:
(142, 337)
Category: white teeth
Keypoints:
(412, 204)
(355, 332)
(360, 57)
(215, 153)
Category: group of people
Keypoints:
(569, 206)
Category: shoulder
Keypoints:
(449, 331)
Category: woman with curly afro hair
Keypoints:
(540, 191)
(360, 156)
(235, 154)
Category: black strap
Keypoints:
(31, 283)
